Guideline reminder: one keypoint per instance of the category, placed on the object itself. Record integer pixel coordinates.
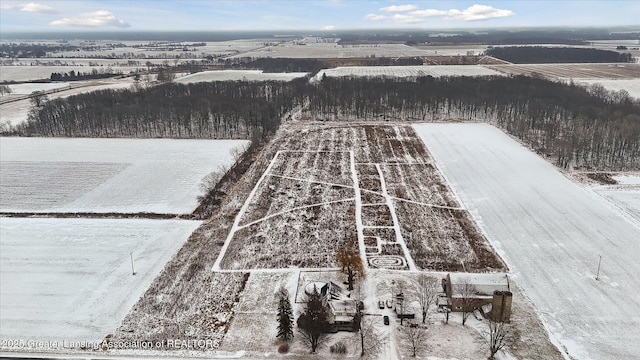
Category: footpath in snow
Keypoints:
(551, 232)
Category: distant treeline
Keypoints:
(29, 50)
(74, 76)
(571, 125)
(495, 37)
(541, 55)
(213, 110)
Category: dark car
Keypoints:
(381, 304)
(386, 320)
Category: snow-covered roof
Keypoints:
(483, 284)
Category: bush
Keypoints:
(284, 348)
(338, 348)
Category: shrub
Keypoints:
(338, 348)
(284, 348)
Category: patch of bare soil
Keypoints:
(601, 178)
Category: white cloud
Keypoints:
(429, 13)
(8, 6)
(406, 19)
(412, 15)
(38, 8)
(375, 17)
(399, 8)
(479, 12)
(328, 27)
(94, 19)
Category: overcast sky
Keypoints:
(214, 15)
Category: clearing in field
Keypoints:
(237, 75)
(409, 71)
(377, 185)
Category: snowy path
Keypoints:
(551, 232)
(358, 212)
(381, 261)
(243, 209)
(396, 224)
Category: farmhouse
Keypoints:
(481, 290)
(342, 309)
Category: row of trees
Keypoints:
(588, 128)
(572, 125)
(543, 55)
(74, 76)
(219, 110)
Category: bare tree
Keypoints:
(467, 293)
(400, 300)
(427, 294)
(416, 338)
(5, 89)
(498, 333)
(38, 98)
(371, 341)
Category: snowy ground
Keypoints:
(37, 72)
(70, 280)
(16, 112)
(257, 310)
(409, 71)
(625, 195)
(333, 50)
(632, 86)
(235, 75)
(107, 175)
(551, 232)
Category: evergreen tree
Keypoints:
(285, 319)
(312, 324)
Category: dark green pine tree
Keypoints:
(285, 319)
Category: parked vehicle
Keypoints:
(381, 304)
(389, 303)
(386, 320)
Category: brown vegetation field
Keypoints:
(307, 205)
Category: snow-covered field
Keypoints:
(333, 50)
(409, 71)
(573, 71)
(16, 112)
(107, 175)
(28, 88)
(28, 73)
(234, 75)
(70, 280)
(551, 232)
(626, 199)
(632, 86)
